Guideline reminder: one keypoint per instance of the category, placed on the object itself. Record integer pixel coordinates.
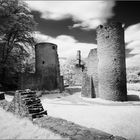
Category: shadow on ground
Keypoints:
(72, 90)
(133, 98)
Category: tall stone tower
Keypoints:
(111, 65)
(47, 65)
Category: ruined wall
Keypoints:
(87, 85)
(47, 75)
(30, 81)
(92, 65)
(90, 76)
(111, 66)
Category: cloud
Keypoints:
(85, 14)
(132, 39)
(134, 46)
(132, 33)
(67, 45)
(133, 61)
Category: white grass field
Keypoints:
(12, 127)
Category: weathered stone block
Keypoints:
(92, 69)
(87, 86)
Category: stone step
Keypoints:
(40, 113)
(35, 106)
(32, 102)
(37, 116)
(28, 93)
(30, 99)
(36, 110)
(28, 96)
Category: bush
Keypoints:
(133, 75)
(72, 74)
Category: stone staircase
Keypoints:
(27, 104)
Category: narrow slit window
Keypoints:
(53, 47)
(43, 62)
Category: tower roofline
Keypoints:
(41, 43)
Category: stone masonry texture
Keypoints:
(92, 65)
(47, 74)
(111, 65)
(73, 131)
(47, 64)
(87, 85)
(27, 104)
(90, 76)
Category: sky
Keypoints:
(72, 25)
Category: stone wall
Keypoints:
(87, 85)
(90, 76)
(111, 66)
(74, 131)
(92, 68)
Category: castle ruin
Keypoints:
(47, 71)
(105, 72)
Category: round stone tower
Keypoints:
(111, 65)
(47, 64)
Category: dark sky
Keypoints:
(127, 12)
(55, 28)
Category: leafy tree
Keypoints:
(72, 74)
(16, 27)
